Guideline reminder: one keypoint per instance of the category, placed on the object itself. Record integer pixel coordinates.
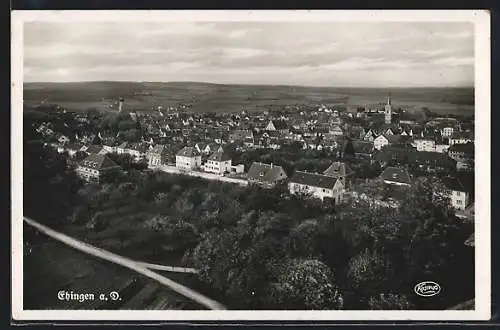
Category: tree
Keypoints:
(305, 284)
(389, 301)
(302, 239)
(79, 156)
(50, 186)
(113, 176)
(368, 274)
(348, 150)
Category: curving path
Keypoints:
(139, 267)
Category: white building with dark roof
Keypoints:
(93, 167)
(157, 156)
(461, 138)
(265, 175)
(218, 163)
(316, 185)
(460, 196)
(340, 171)
(188, 159)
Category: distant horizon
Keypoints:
(248, 84)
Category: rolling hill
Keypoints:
(208, 97)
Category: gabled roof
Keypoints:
(314, 179)
(264, 172)
(363, 147)
(337, 169)
(219, 156)
(465, 148)
(279, 124)
(396, 174)
(462, 135)
(393, 138)
(158, 149)
(188, 152)
(454, 184)
(241, 134)
(98, 162)
(94, 149)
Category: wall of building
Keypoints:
(317, 192)
(216, 167)
(459, 199)
(425, 145)
(187, 163)
(380, 142)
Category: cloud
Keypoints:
(455, 35)
(236, 34)
(455, 61)
(242, 51)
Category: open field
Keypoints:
(205, 97)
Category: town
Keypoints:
(351, 145)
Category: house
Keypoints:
(460, 196)
(237, 169)
(442, 148)
(461, 138)
(380, 142)
(369, 136)
(63, 139)
(423, 144)
(363, 149)
(340, 171)
(218, 163)
(94, 149)
(463, 154)
(94, 166)
(157, 156)
(211, 148)
(447, 131)
(72, 148)
(396, 176)
(265, 175)
(336, 130)
(121, 148)
(317, 185)
(241, 135)
(277, 125)
(188, 158)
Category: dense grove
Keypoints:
(263, 249)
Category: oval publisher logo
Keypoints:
(427, 289)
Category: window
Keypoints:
(459, 202)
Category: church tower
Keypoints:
(388, 111)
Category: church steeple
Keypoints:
(388, 111)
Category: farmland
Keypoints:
(206, 97)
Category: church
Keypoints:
(388, 112)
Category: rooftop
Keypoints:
(98, 162)
(314, 179)
(396, 174)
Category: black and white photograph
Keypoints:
(228, 165)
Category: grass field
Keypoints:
(205, 97)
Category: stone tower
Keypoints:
(120, 104)
(388, 111)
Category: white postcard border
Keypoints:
(481, 20)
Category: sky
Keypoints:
(338, 54)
